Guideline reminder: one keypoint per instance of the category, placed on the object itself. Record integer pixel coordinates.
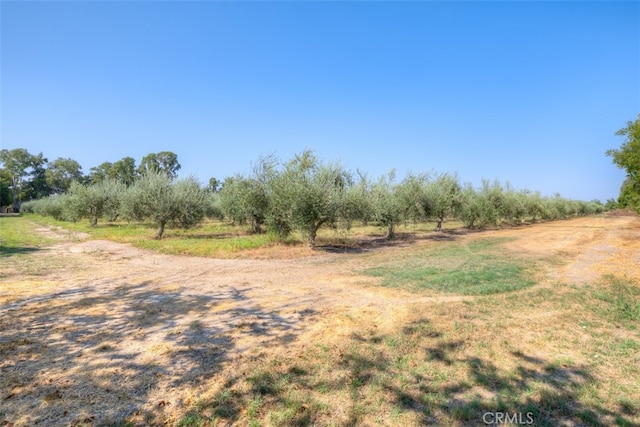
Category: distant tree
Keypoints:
(124, 171)
(357, 202)
(535, 205)
(444, 192)
(213, 206)
(56, 206)
(37, 186)
(243, 200)
(5, 188)
(96, 200)
(61, 173)
(19, 164)
(164, 161)
(100, 173)
(611, 204)
(386, 207)
(214, 185)
(154, 197)
(414, 201)
(627, 157)
(480, 208)
(514, 205)
(248, 199)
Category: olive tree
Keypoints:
(445, 195)
(55, 206)
(97, 200)
(479, 208)
(514, 206)
(154, 197)
(535, 205)
(386, 207)
(247, 199)
(413, 199)
(306, 195)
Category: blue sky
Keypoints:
(526, 92)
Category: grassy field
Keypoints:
(479, 268)
(215, 238)
(17, 235)
(486, 332)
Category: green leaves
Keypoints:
(628, 157)
(156, 198)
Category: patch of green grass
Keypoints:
(618, 299)
(211, 238)
(204, 247)
(193, 419)
(479, 268)
(18, 236)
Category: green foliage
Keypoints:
(123, 171)
(414, 201)
(97, 200)
(306, 195)
(61, 173)
(55, 206)
(165, 162)
(445, 196)
(476, 209)
(37, 186)
(627, 157)
(5, 188)
(630, 194)
(213, 208)
(155, 198)
(247, 199)
(18, 164)
(386, 209)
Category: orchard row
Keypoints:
(304, 194)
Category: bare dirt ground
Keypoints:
(94, 332)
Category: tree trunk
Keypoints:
(160, 231)
(311, 238)
(255, 227)
(94, 221)
(390, 231)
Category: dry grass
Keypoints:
(135, 338)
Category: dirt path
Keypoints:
(114, 330)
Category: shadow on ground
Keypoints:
(103, 355)
(10, 251)
(370, 377)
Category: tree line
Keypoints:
(303, 194)
(25, 176)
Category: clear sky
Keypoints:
(526, 92)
